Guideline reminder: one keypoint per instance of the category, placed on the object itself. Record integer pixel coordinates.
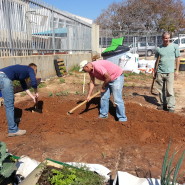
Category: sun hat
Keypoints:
(82, 64)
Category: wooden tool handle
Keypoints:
(155, 70)
(72, 110)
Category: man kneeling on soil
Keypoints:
(113, 78)
(7, 75)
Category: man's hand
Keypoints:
(88, 98)
(36, 95)
(103, 89)
(154, 73)
(176, 74)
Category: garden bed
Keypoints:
(137, 147)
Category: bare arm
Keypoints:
(34, 97)
(91, 87)
(177, 66)
(106, 81)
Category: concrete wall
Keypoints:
(95, 38)
(45, 63)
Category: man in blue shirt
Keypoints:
(20, 73)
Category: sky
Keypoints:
(90, 9)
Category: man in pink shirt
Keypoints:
(113, 78)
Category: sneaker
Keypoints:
(101, 117)
(171, 110)
(18, 133)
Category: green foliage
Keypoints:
(71, 176)
(50, 94)
(170, 173)
(31, 89)
(75, 68)
(62, 80)
(23, 94)
(41, 85)
(129, 74)
(62, 93)
(16, 83)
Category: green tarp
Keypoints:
(114, 44)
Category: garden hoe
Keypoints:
(72, 110)
(154, 77)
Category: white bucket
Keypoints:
(129, 62)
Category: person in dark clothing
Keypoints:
(7, 76)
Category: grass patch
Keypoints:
(62, 80)
(22, 94)
(41, 85)
(62, 93)
(50, 94)
(75, 68)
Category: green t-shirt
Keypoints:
(168, 55)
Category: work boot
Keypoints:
(18, 133)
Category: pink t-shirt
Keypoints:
(100, 67)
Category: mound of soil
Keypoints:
(136, 146)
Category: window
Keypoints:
(143, 44)
(151, 44)
(176, 41)
(183, 41)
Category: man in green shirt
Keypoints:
(168, 54)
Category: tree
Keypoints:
(145, 15)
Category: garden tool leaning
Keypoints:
(72, 110)
(154, 77)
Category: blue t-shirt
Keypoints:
(20, 73)
(167, 57)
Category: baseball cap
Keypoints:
(82, 64)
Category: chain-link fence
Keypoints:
(32, 26)
(143, 43)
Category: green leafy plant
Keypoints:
(31, 89)
(70, 175)
(41, 85)
(170, 173)
(75, 68)
(62, 80)
(50, 94)
(16, 83)
(23, 94)
(62, 93)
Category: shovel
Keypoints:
(153, 81)
(37, 106)
(72, 110)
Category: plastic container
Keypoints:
(182, 65)
(114, 56)
(129, 62)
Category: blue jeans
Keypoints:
(7, 91)
(115, 87)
